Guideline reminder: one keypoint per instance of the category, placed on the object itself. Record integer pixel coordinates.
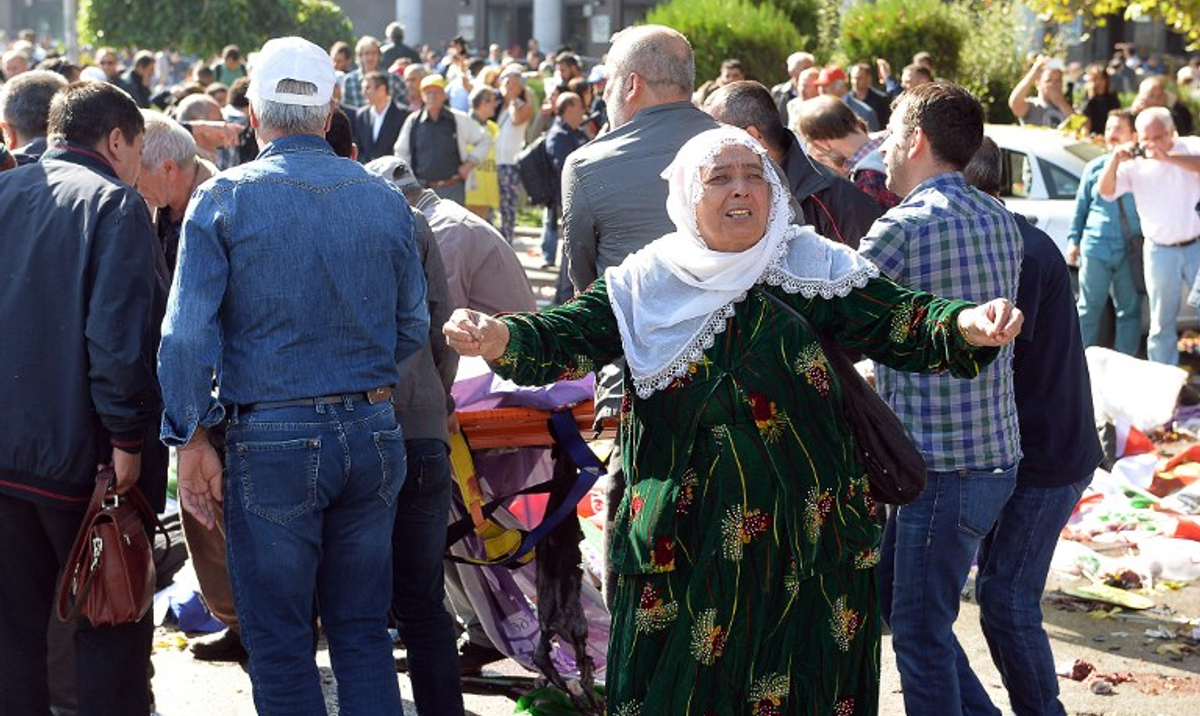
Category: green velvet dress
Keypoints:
(746, 542)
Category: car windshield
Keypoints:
(1087, 151)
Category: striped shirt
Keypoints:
(948, 239)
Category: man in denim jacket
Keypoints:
(298, 285)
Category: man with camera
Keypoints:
(1163, 172)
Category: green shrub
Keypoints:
(897, 29)
(995, 62)
(804, 16)
(759, 35)
(322, 22)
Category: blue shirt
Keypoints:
(297, 277)
(1096, 228)
(951, 240)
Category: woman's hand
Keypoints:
(472, 333)
(991, 324)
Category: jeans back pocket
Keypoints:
(279, 477)
(392, 462)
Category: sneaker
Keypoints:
(226, 646)
(473, 657)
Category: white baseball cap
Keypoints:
(395, 170)
(292, 58)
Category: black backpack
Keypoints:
(537, 173)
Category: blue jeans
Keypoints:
(1099, 278)
(1013, 561)
(1168, 270)
(310, 501)
(928, 547)
(418, 580)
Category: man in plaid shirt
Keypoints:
(949, 239)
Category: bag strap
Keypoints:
(501, 544)
(837, 359)
(1124, 218)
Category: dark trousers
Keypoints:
(111, 662)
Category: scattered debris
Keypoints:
(1100, 687)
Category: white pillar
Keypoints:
(547, 24)
(408, 12)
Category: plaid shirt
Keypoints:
(948, 239)
(352, 92)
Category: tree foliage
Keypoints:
(995, 62)
(897, 29)
(804, 15)
(761, 36)
(208, 25)
(1183, 16)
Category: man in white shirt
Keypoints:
(1163, 172)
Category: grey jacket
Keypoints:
(422, 398)
(614, 201)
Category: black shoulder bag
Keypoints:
(1133, 249)
(893, 464)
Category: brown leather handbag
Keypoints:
(109, 577)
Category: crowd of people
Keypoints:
(270, 264)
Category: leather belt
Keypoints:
(377, 395)
(443, 183)
(1189, 242)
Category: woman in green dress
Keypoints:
(747, 540)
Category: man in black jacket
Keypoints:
(80, 309)
(377, 123)
(837, 209)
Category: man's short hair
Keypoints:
(288, 119)
(364, 42)
(915, 69)
(1154, 114)
(215, 89)
(166, 139)
(231, 52)
(341, 134)
(237, 94)
(747, 103)
(395, 32)
(1125, 116)
(415, 69)
(984, 171)
(197, 107)
(950, 118)
(25, 101)
(85, 113)
(377, 78)
(732, 63)
(565, 101)
(659, 63)
(341, 48)
(795, 59)
(827, 117)
(142, 59)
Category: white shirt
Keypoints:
(1166, 196)
(511, 138)
(377, 121)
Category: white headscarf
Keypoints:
(672, 297)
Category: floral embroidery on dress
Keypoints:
(576, 368)
(867, 558)
(687, 491)
(791, 580)
(740, 527)
(845, 624)
(767, 695)
(906, 321)
(629, 708)
(662, 557)
(845, 707)
(814, 367)
(636, 504)
(653, 613)
(708, 639)
(816, 509)
(770, 420)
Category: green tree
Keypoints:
(995, 62)
(209, 25)
(804, 16)
(761, 36)
(1183, 16)
(897, 29)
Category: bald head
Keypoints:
(648, 65)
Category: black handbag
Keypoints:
(894, 466)
(1133, 250)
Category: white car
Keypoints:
(1040, 174)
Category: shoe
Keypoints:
(227, 646)
(547, 266)
(472, 658)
